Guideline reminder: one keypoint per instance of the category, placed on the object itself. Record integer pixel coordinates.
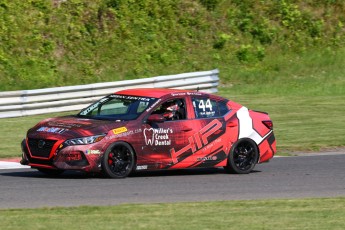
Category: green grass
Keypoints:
(301, 122)
(13, 131)
(322, 213)
(303, 93)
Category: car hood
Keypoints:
(71, 127)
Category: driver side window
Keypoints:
(172, 110)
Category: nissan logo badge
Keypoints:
(41, 144)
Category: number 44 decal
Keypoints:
(202, 105)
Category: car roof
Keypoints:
(151, 92)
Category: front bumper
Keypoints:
(57, 156)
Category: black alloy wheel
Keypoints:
(243, 157)
(118, 161)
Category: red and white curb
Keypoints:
(11, 164)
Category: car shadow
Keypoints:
(36, 174)
(31, 173)
(183, 172)
(178, 172)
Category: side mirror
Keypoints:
(155, 118)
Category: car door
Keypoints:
(163, 138)
(209, 138)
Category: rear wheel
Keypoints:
(118, 161)
(243, 157)
(51, 172)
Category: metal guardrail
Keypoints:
(70, 98)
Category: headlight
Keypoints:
(85, 140)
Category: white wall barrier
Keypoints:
(70, 98)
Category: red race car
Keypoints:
(151, 129)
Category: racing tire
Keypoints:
(243, 157)
(51, 172)
(118, 161)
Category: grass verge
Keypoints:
(13, 131)
(321, 213)
(301, 123)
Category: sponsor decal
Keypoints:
(207, 114)
(52, 130)
(194, 93)
(157, 136)
(153, 105)
(130, 97)
(141, 167)
(64, 125)
(119, 130)
(72, 156)
(199, 140)
(92, 152)
(214, 158)
(123, 134)
(94, 106)
(178, 94)
(187, 93)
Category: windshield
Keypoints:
(117, 107)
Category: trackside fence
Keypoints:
(70, 98)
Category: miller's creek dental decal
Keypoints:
(158, 136)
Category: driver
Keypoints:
(170, 110)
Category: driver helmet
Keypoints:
(170, 109)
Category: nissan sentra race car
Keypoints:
(152, 129)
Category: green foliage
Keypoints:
(249, 54)
(210, 4)
(220, 42)
(55, 43)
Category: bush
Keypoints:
(54, 43)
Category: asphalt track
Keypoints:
(283, 177)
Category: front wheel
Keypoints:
(118, 161)
(243, 157)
